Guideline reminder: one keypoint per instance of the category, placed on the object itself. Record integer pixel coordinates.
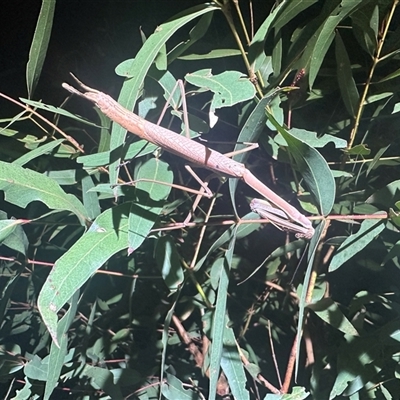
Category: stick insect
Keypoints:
(283, 215)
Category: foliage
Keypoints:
(141, 303)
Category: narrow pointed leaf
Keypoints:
(232, 366)
(144, 59)
(39, 151)
(21, 186)
(57, 354)
(369, 229)
(347, 85)
(314, 243)
(40, 42)
(219, 319)
(169, 263)
(229, 87)
(173, 389)
(107, 236)
(329, 312)
(250, 133)
(312, 167)
(151, 200)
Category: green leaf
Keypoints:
(232, 366)
(354, 367)
(256, 54)
(223, 266)
(37, 368)
(242, 230)
(298, 393)
(369, 229)
(365, 23)
(312, 140)
(312, 167)
(387, 196)
(12, 234)
(131, 88)
(90, 198)
(277, 254)
(107, 236)
(319, 44)
(289, 11)
(359, 150)
(347, 85)
(390, 76)
(166, 334)
(40, 42)
(195, 34)
(215, 53)
(135, 150)
(254, 125)
(229, 87)
(57, 110)
(314, 243)
(170, 85)
(173, 389)
(395, 216)
(374, 163)
(250, 133)
(57, 354)
(101, 378)
(153, 187)
(21, 186)
(41, 150)
(169, 263)
(221, 273)
(9, 358)
(64, 177)
(329, 312)
(7, 227)
(394, 253)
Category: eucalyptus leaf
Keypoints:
(39, 45)
(144, 59)
(22, 186)
(229, 87)
(107, 236)
(368, 231)
(313, 168)
(348, 88)
(328, 311)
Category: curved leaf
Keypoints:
(107, 235)
(329, 312)
(57, 355)
(144, 59)
(369, 229)
(313, 168)
(319, 44)
(250, 133)
(39, 151)
(347, 85)
(21, 186)
(223, 266)
(365, 23)
(152, 192)
(298, 393)
(232, 366)
(229, 87)
(312, 140)
(169, 262)
(40, 42)
(173, 389)
(314, 243)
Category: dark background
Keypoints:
(89, 38)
